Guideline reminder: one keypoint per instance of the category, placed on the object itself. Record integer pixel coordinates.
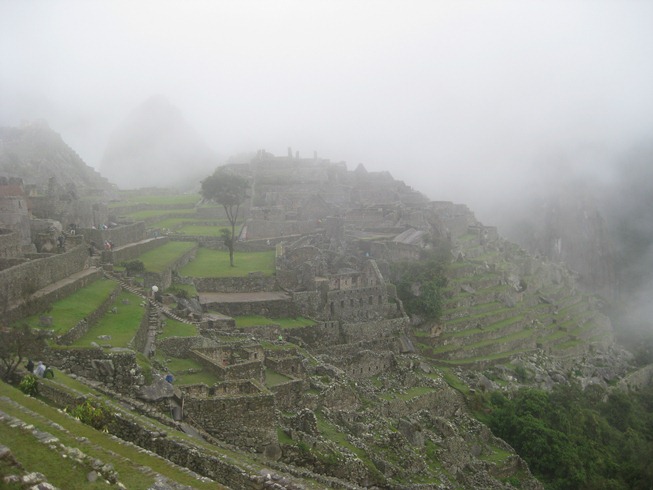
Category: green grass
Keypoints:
(215, 263)
(189, 288)
(179, 368)
(160, 258)
(67, 312)
(128, 460)
(454, 381)
(415, 392)
(61, 471)
(120, 326)
(272, 378)
(175, 328)
(256, 320)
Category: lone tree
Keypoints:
(230, 190)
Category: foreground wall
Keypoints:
(20, 282)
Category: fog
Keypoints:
(463, 100)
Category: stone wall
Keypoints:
(248, 421)
(356, 304)
(354, 332)
(321, 334)
(228, 371)
(253, 283)
(181, 346)
(120, 235)
(367, 363)
(282, 308)
(141, 338)
(257, 228)
(148, 436)
(10, 244)
(394, 251)
(289, 396)
(115, 367)
(20, 282)
(288, 364)
(131, 252)
(6, 263)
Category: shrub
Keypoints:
(29, 385)
(93, 413)
(134, 267)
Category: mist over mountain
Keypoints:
(156, 147)
(36, 153)
(598, 221)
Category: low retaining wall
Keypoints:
(120, 235)
(133, 430)
(282, 308)
(116, 367)
(24, 280)
(132, 251)
(290, 395)
(250, 284)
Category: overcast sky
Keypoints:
(453, 97)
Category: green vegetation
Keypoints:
(93, 413)
(420, 286)
(128, 460)
(230, 191)
(272, 378)
(175, 328)
(215, 263)
(120, 324)
(68, 312)
(29, 385)
(578, 439)
(159, 259)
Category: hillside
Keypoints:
(38, 155)
(308, 369)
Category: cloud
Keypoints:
(462, 100)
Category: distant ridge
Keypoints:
(156, 147)
(36, 153)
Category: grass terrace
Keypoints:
(175, 328)
(67, 312)
(134, 466)
(159, 259)
(215, 263)
(272, 378)
(120, 327)
(187, 371)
